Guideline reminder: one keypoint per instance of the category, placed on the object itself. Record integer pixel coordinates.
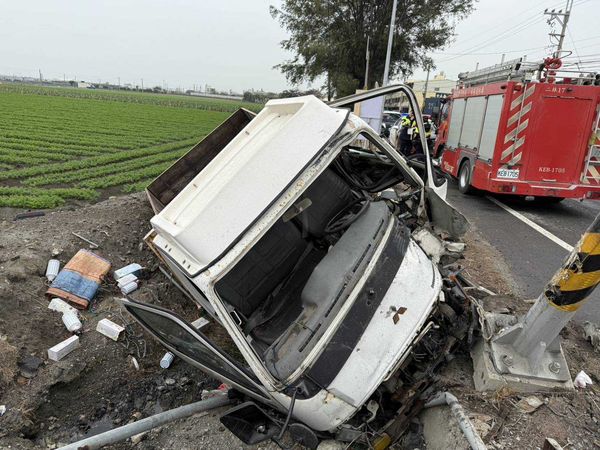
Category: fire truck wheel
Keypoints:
(464, 178)
(550, 200)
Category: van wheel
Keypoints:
(464, 178)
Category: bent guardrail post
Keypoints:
(527, 355)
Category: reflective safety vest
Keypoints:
(406, 125)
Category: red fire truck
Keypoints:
(518, 128)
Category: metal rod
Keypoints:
(131, 429)
(471, 435)
(93, 245)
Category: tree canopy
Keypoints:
(329, 38)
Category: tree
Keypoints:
(329, 38)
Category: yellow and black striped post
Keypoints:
(580, 275)
(564, 294)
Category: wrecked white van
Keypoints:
(315, 245)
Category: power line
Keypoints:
(497, 27)
(515, 29)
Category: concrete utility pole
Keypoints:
(562, 18)
(388, 55)
(426, 85)
(526, 354)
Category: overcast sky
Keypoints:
(233, 44)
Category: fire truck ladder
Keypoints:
(592, 166)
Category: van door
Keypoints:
(189, 344)
(437, 184)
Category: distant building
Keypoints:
(438, 87)
(83, 85)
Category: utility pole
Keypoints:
(142, 84)
(388, 54)
(426, 85)
(367, 66)
(562, 18)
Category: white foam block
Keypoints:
(199, 323)
(59, 351)
(109, 329)
(126, 280)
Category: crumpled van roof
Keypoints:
(223, 200)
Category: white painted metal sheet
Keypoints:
(213, 210)
(490, 126)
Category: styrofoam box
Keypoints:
(62, 349)
(109, 329)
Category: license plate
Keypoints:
(511, 174)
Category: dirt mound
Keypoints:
(96, 387)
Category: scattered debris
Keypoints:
(171, 382)
(110, 329)
(62, 349)
(70, 317)
(27, 215)
(167, 360)
(138, 438)
(133, 268)
(129, 287)
(529, 404)
(582, 380)
(29, 366)
(79, 280)
(551, 444)
(93, 245)
(591, 332)
(52, 269)
(134, 363)
(168, 357)
(2, 410)
(123, 281)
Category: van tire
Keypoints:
(464, 178)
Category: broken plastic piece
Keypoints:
(62, 349)
(2, 410)
(582, 380)
(110, 329)
(70, 317)
(592, 333)
(529, 404)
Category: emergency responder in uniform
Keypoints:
(417, 138)
(405, 134)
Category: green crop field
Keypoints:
(61, 144)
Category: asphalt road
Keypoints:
(532, 257)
